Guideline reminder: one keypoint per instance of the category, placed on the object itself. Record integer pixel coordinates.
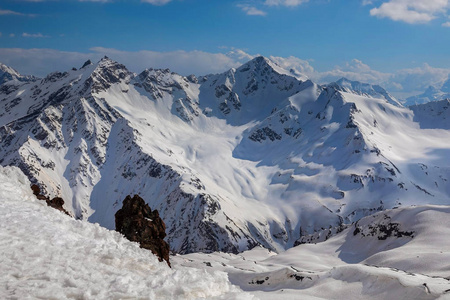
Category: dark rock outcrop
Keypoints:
(138, 223)
(56, 203)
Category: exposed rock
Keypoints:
(87, 63)
(56, 202)
(138, 223)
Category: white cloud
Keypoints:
(401, 82)
(446, 24)
(411, 11)
(12, 35)
(420, 78)
(183, 62)
(284, 2)
(251, 10)
(40, 62)
(34, 35)
(7, 12)
(354, 70)
(156, 2)
(4, 12)
(297, 64)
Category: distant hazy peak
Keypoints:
(364, 89)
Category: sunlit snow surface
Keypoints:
(349, 265)
(47, 255)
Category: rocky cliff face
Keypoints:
(138, 223)
(56, 202)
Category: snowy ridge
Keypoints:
(364, 89)
(253, 156)
(244, 94)
(46, 254)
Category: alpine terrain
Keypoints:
(255, 156)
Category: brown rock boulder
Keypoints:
(56, 203)
(138, 223)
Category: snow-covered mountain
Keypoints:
(432, 115)
(8, 73)
(253, 156)
(364, 89)
(431, 94)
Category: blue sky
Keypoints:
(398, 43)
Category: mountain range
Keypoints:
(253, 156)
(432, 93)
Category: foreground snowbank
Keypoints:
(45, 254)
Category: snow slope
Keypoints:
(48, 255)
(253, 156)
(364, 89)
(433, 114)
(394, 254)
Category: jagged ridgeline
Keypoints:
(257, 155)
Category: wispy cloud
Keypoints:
(251, 10)
(7, 12)
(102, 1)
(285, 2)
(77, 0)
(156, 2)
(402, 82)
(411, 11)
(34, 35)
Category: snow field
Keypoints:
(348, 265)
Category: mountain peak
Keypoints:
(6, 69)
(108, 72)
(264, 65)
(257, 63)
(86, 63)
(446, 86)
(363, 89)
(7, 73)
(432, 93)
